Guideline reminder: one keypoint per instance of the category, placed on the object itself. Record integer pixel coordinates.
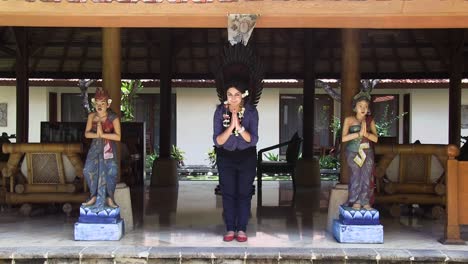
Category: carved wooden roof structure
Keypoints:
(399, 38)
(77, 52)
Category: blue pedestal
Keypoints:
(358, 226)
(104, 225)
(349, 216)
(367, 234)
(108, 215)
(99, 231)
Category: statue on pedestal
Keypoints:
(101, 212)
(358, 222)
(101, 166)
(360, 132)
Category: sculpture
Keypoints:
(100, 170)
(360, 132)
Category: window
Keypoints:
(385, 111)
(291, 119)
(147, 109)
(72, 108)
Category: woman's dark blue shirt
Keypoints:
(249, 122)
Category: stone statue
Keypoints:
(360, 132)
(100, 169)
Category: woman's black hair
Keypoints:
(359, 99)
(241, 86)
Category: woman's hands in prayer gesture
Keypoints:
(99, 131)
(363, 132)
(235, 120)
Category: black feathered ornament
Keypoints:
(238, 64)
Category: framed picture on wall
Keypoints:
(464, 116)
(3, 114)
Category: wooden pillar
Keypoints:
(307, 168)
(456, 70)
(22, 84)
(111, 81)
(309, 96)
(350, 82)
(111, 60)
(164, 167)
(166, 90)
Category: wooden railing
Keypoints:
(450, 190)
(457, 197)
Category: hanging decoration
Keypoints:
(240, 27)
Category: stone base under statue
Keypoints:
(350, 216)
(99, 231)
(358, 226)
(106, 216)
(103, 225)
(366, 234)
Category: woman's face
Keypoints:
(234, 96)
(101, 105)
(362, 107)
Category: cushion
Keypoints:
(70, 173)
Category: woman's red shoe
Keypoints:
(229, 236)
(241, 236)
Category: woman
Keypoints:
(100, 169)
(235, 137)
(360, 131)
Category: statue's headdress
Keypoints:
(365, 93)
(239, 67)
(365, 90)
(101, 94)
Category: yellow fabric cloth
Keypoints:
(361, 156)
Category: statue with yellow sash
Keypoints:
(360, 132)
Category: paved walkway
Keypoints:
(187, 222)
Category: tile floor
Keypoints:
(190, 216)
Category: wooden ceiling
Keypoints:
(62, 53)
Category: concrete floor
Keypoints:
(190, 216)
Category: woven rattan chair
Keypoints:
(45, 181)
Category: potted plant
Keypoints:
(129, 91)
(212, 157)
(178, 155)
(149, 162)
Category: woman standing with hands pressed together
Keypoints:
(235, 135)
(360, 132)
(100, 169)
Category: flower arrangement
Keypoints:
(227, 117)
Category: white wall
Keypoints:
(268, 115)
(429, 116)
(195, 109)
(38, 110)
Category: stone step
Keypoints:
(235, 253)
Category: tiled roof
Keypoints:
(71, 53)
(178, 83)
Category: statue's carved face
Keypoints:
(101, 105)
(362, 107)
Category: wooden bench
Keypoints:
(415, 183)
(46, 178)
